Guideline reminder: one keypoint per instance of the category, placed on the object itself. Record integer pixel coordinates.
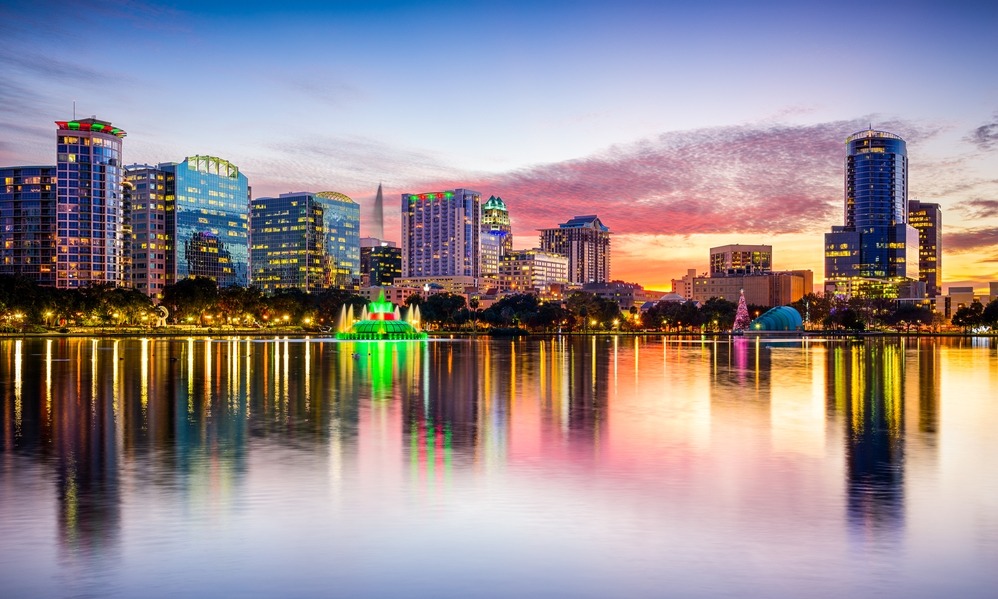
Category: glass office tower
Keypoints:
(209, 219)
(341, 230)
(876, 249)
(89, 208)
(287, 236)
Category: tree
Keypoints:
(442, 308)
(813, 307)
(742, 319)
(190, 298)
(969, 316)
(718, 313)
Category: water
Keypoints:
(576, 467)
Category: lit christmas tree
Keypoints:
(742, 319)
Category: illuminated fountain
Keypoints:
(379, 321)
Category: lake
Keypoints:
(585, 466)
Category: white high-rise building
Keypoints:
(441, 234)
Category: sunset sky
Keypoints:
(682, 125)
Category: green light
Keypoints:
(74, 126)
(448, 195)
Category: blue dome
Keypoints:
(781, 318)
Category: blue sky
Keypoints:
(683, 125)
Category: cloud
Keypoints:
(986, 136)
(970, 240)
(752, 180)
(978, 208)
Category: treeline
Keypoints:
(199, 301)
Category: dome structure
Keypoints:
(781, 318)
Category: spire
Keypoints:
(379, 214)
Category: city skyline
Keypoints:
(684, 127)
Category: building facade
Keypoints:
(209, 220)
(627, 295)
(774, 288)
(740, 259)
(876, 249)
(585, 241)
(380, 262)
(532, 271)
(148, 241)
(28, 222)
(927, 218)
(286, 243)
(89, 211)
(441, 234)
(341, 231)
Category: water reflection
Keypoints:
(750, 441)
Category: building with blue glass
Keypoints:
(89, 207)
(341, 238)
(188, 219)
(287, 243)
(27, 222)
(210, 220)
(875, 253)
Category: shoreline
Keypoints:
(109, 332)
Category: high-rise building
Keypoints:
(927, 218)
(188, 219)
(210, 220)
(149, 240)
(875, 253)
(440, 234)
(496, 240)
(585, 240)
(287, 248)
(27, 222)
(740, 259)
(380, 262)
(89, 208)
(341, 238)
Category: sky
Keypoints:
(682, 125)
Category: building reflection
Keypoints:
(865, 388)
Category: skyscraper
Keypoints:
(149, 241)
(210, 220)
(380, 262)
(875, 253)
(341, 238)
(927, 218)
(287, 250)
(89, 209)
(27, 222)
(440, 233)
(188, 219)
(585, 240)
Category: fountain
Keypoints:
(378, 322)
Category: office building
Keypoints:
(188, 219)
(89, 211)
(28, 222)
(626, 295)
(380, 262)
(496, 239)
(441, 234)
(771, 288)
(532, 271)
(341, 231)
(740, 259)
(927, 219)
(876, 251)
(287, 243)
(209, 220)
(585, 240)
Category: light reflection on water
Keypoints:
(590, 467)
